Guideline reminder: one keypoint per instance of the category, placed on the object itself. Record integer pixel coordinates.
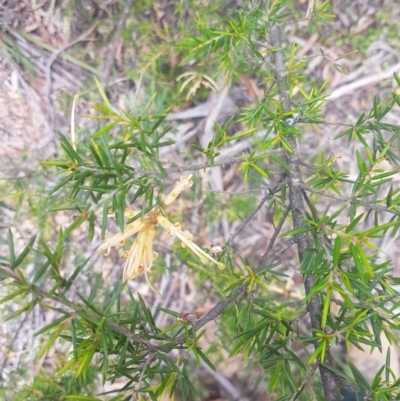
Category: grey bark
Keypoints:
(294, 179)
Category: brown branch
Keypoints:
(211, 315)
(294, 178)
(222, 305)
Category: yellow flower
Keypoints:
(139, 259)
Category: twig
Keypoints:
(294, 179)
(305, 381)
(249, 218)
(13, 340)
(324, 122)
(113, 47)
(43, 45)
(150, 358)
(271, 243)
(342, 198)
(244, 192)
(225, 161)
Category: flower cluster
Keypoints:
(140, 257)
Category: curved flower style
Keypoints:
(179, 186)
(140, 257)
(186, 237)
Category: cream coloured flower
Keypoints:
(140, 257)
(119, 238)
(181, 185)
(186, 237)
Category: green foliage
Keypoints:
(48, 388)
(350, 294)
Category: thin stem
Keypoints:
(253, 213)
(222, 305)
(115, 327)
(305, 381)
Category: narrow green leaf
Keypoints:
(361, 165)
(91, 226)
(206, 360)
(77, 222)
(11, 248)
(102, 94)
(75, 274)
(105, 350)
(295, 231)
(375, 230)
(104, 219)
(39, 273)
(354, 223)
(24, 253)
(52, 324)
(336, 251)
(387, 365)
(389, 198)
(96, 286)
(74, 339)
(340, 373)
(358, 377)
(12, 295)
(104, 129)
(69, 150)
(365, 261)
(26, 308)
(397, 78)
(325, 311)
(357, 262)
(114, 297)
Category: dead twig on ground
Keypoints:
(53, 58)
(363, 82)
